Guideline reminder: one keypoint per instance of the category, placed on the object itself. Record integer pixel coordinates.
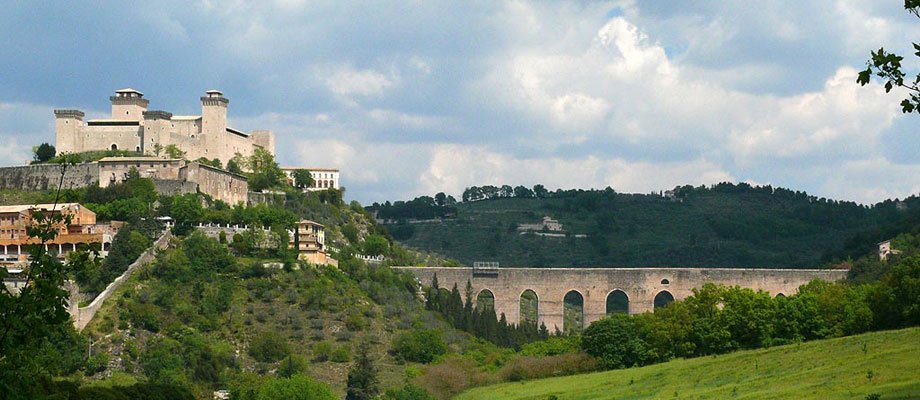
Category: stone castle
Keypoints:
(132, 127)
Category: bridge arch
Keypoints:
(485, 300)
(663, 298)
(529, 304)
(780, 294)
(617, 302)
(573, 311)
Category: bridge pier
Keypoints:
(640, 286)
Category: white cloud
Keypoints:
(346, 81)
(416, 98)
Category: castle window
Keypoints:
(114, 147)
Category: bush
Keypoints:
(552, 346)
(322, 350)
(356, 322)
(454, 375)
(408, 392)
(341, 354)
(297, 387)
(616, 342)
(97, 363)
(268, 347)
(292, 365)
(145, 316)
(419, 346)
(343, 335)
(525, 368)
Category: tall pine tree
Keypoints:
(363, 383)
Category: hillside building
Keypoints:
(323, 178)
(83, 229)
(133, 127)
(310, 241)
(885, 250)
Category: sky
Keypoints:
(413, 98)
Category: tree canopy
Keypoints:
(887, 66)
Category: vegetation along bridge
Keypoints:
(543, 293)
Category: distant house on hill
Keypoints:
(884, 250)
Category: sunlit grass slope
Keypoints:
(884, 363)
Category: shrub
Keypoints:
(297, 387)
(419, 346)
(525, 368)
(408, 392)
(343, 335)
(616, 342)
(268, 347)
(454, 375)
(552, 346)
(97, 363)
(341, 354)
(356, 322)
(145, 316)
(322, 350)
(292, 365)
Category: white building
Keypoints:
(323, 178)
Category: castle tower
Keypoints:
(213, 125)
(264, 139)
(67, 124)
(157, 125)
(128, 104)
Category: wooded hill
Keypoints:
(724, 225)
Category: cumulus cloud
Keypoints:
(426, 97)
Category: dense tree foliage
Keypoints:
(363, 383)
(43, 152)
(718, 319)
(480, 321)
(37, 340)
(722, 225)
(302, 179)
(297, 387)
(887, 66)
(419, 346)
(420, 208)
(127, 246)
(264, 172)
(131, 200)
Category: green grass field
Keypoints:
(884, 363)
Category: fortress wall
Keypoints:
(47, 176)
(170, 187)
(641, 285)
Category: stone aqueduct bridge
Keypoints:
(640, 285)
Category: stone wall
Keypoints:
(268, 198)
(168, 187)
(640, 285)
(47, 176)
(82, 315)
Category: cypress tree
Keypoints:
(363, 383)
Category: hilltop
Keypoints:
(725, 225)
(853, 367)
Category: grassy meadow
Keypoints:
(884, 363)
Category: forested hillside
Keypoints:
(725, 225)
